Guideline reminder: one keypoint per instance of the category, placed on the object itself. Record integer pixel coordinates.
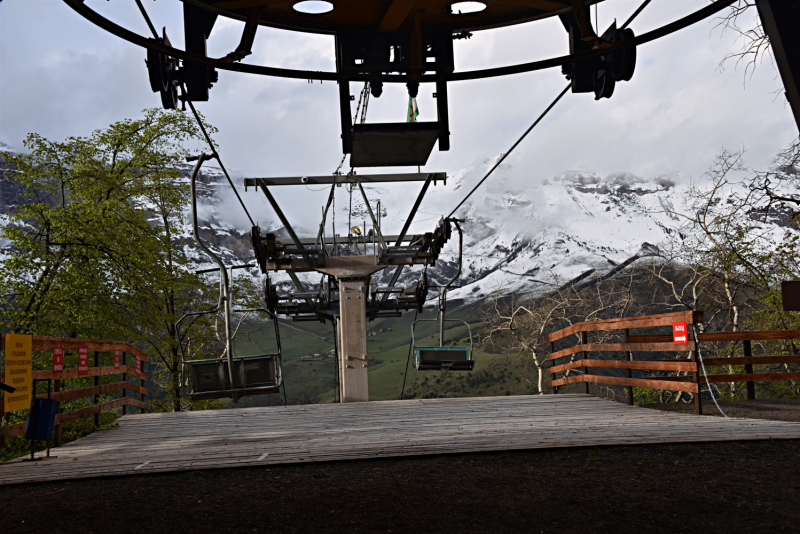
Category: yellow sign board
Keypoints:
(18, 371)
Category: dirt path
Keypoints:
(715, 487)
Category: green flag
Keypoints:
(413, 110)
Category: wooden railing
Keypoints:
(60, 378)
(659, 343)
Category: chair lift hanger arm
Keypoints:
(225, 293)
(443, 294)
(219, 160)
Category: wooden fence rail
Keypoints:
(124, 385)
(653, 343)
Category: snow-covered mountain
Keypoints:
(517, 238)
(521, 235)
(531, 239)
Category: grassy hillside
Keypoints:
(388, 348)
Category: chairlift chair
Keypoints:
(230, 376)
(443, 358)
(258, 374)
(253, 375)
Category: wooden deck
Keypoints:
(162, 442)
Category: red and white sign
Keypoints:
(83, 360)
(680, 333)
(116, 359)
(138, 364)
(58, 359)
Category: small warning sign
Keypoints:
(18, 371)
(680, 333)
(138, 364)
(58, 359)
(116, 359)
(83, 360)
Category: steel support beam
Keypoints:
(406, 226)
(285, 222)
(294, 237)
(347, 179)
(301, 265)
(352, 239)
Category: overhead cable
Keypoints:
(505, 155)
(219, 160)
(553, 103)
(635, 14)
(147, 18)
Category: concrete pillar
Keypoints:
(352, 273)
(353, 372)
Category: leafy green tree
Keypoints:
(98, 249)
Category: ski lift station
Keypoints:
(410, 43)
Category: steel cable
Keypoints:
(408, 359)
(553, 103)
(219, 160)
(147, 18)
(505, 155)
(705, 375)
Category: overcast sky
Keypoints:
(61, 76)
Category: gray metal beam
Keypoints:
(293, 235)
(401, 237)
(216, 269)
(353, 239)
(347, 179)
(284, 221)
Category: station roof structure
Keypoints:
(390, 15)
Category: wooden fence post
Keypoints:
(698, 401)
(748, 369)
(124, 379)
(585, 369)
(96, 398)
(3, 397)
(143, 382)
(553, 375)
(57, 428)
(629, 374)
(2, 410)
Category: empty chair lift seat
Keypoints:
(252, 375)
(447, 358)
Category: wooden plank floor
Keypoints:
(161, 442)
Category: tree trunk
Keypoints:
(176, 392)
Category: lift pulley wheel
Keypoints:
(162, 70)
(617, 66)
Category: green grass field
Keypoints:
(315, 381)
